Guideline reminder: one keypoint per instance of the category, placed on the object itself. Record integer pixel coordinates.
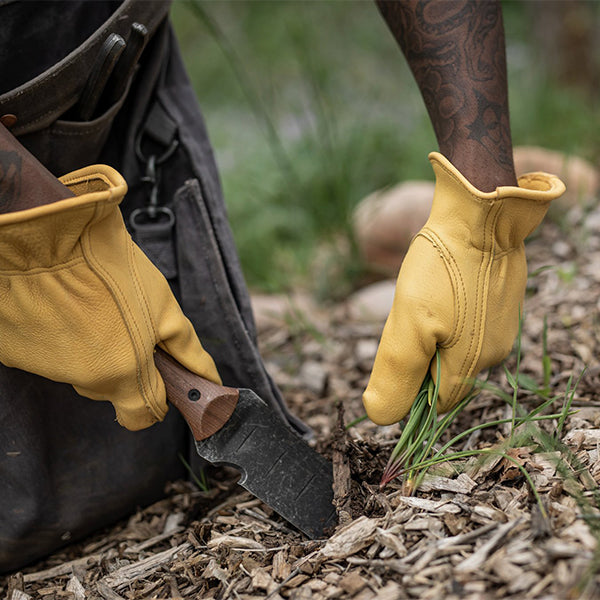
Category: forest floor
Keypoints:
(474, 529)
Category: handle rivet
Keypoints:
(194, 395)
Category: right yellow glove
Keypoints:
(80, 303)
(459, 290)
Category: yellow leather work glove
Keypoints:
(459, 290)
(80, 303)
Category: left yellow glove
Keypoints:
(80, 303)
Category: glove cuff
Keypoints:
(502, 218)
(48, 236)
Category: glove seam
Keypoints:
(453, 273)
(504, 253)
(486, 201)
(108, 281)
(38, 270)
(473, 353)
(76, 178)
(149, 321)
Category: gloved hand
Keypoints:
(80, 303)
(460, 289)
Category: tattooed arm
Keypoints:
(461, 286)
(455, 49)
(24, 181)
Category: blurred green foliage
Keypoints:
(311, 106)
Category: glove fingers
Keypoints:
(132, 412)
(174, 332)
(452, 388)
(402, 361)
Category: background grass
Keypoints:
(311, 106)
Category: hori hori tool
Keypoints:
(235, 427)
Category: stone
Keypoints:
(386, 221)
(561, 249)
(581, 177)
(365, 352)
(271, 310)
(373, 302)
(313, 376)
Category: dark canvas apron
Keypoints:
(66, 467)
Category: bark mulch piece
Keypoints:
(472, 530)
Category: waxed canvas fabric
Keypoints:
(66, 466)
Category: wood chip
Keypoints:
(152, 541)
(352, 583)
(16, 583)
(232, 541)
(351, 539)
(107, 592)
(261, 580)
(579, 531)
(365, 594)
(391, 539)
(142, 568)
(74, 586)
(435, 506)
(463, 484)
(281, 567)
(316, 585)
(525, 581)
(390, 591)
(540, 586)
(296, 581)
(66, 568)
(476, 559)
(214, 571)
(583, 437)
(489, 512)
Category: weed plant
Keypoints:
(419, 447)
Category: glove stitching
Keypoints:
(503, 253)
(107, 280)
(150, 324)
(37, 270)
(457, 283)
(473, 352)
(87, 178)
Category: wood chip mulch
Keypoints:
(473, 529)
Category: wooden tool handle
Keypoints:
(205, 405)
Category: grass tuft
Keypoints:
(418, 450)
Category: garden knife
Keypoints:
(237, 428)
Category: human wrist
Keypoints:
(478, 166)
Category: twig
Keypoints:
(152, 541)
(107, 592)
(66, 568)
(476, 559)
(139, 569)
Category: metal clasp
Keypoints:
(152, 210)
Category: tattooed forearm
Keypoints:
(10, 179)
(455, 49)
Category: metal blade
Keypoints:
(276, 464)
